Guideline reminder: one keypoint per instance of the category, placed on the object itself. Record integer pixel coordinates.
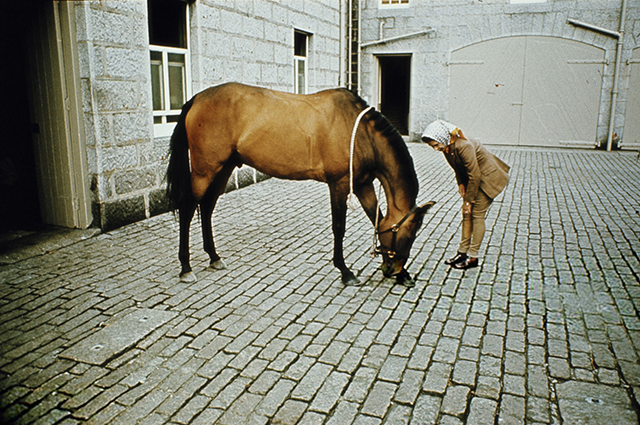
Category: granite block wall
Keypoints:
(247, 41)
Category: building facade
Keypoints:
(107, 79)
(517, 72)
(98, 85)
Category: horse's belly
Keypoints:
(293, 161)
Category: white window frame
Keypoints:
(393, 4)
(296, 63)
(165, 128)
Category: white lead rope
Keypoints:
(351, 201)
(375, 225)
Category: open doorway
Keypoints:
(43, 165)
(19, 203)
(395, 84)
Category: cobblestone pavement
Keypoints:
(545, 331)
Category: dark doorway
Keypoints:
(19, 205)
(395, 80)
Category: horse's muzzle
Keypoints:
(392, 267)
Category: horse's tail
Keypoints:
(178, 172)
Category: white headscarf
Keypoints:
(440, 131)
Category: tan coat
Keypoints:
(477, 168)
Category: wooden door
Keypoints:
(56, 117)
(527, 90)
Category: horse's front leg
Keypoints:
(339, 219)
(367, 196)
(185, 214)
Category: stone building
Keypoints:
(104, 82)
(517, 72)
(96, 86)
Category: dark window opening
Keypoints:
(167, 23)
(300, 44)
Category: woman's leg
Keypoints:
(477, 226)
(467, 232)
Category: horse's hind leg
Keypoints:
(207, 205)
(185, 213)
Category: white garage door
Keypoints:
(631, 135)
(527, 90)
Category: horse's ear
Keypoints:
(422, 209)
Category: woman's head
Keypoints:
(439, 134)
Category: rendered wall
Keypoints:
(459, 23)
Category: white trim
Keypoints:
(296, 61)
(304, 59)
(165, 51)
(165, 129)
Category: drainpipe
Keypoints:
(398, 37)
(342, 46)
(616, 75)
(350, 44)
(619, 35)
(359, 48)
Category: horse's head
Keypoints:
(397, 238)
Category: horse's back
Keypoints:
(281, 134)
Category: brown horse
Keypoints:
(294, 137)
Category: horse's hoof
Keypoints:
(217, 265)
(405, 279)
(406, 282)
(351, 281)
(189, 277)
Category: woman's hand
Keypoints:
(466, 208)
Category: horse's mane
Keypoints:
(396, 142)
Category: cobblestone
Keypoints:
(276, 338)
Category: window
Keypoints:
(394, 3)
(170, 75)
(300, 45)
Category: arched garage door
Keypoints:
(631, 135)
(527, 90)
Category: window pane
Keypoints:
(301, 77)
(176, 58)
(300, 44)
(176, 81)
(156, 81)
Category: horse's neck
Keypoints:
(399, 191)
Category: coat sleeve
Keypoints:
(455, 167)
(470, 164)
